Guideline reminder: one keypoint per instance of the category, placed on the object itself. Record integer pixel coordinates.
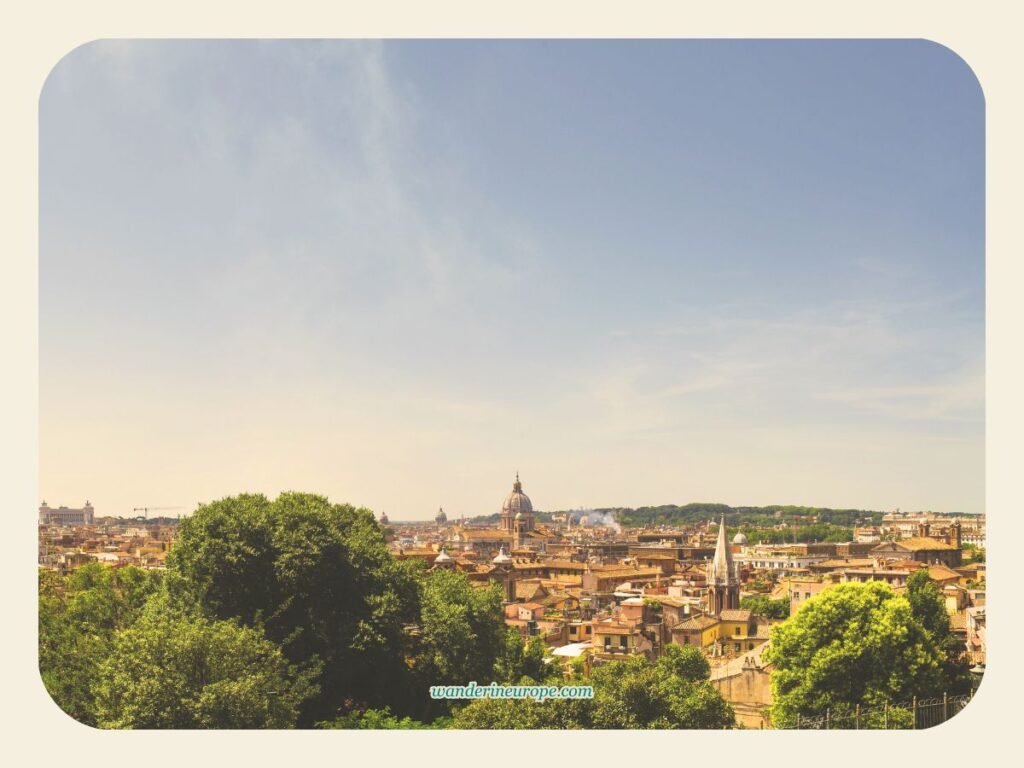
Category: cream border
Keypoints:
(40, 34)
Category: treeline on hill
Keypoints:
(292, 613)
(671, 514)
(745, 517)
(802, 524)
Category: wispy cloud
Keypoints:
(346, 262)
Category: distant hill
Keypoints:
(770, 515)
(673, 514)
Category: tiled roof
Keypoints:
(923, 543)
(734, 614)
(675, 602)
(697, 622)
(938, 572)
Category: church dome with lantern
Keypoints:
(517, 507)
(517, 501)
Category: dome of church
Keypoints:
(740, 538)
(519, 515)
(517, 501)
(440, 517)
(501, 558)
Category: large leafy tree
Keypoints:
(382, 720)
(172, 670)
(763, 605)
(462, 633)
(316, 577)
(685, 661)
(79, 616)
(519, 661)
(636, 693)
(929, 608)
(856, 644)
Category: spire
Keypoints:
(517, 487)
(721, 566)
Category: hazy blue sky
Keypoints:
(636, 272)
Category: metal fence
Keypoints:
(914, 714)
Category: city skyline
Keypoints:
(639, 273)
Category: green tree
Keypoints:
(763, 605)
(79, 616)
(638, 694)
(170, 670)
(519, 660)
(928, 607)
(317, 577)
(462, 636)
(381, 719)
(973, 554)
(523, 714)
(854, 644)
(635, 693)
(685, 661)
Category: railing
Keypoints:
(917, 713)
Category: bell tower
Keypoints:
(723, 580)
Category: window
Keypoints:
(736, 633)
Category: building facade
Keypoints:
(65, 515)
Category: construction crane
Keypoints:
(147, 510)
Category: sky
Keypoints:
(396, 273)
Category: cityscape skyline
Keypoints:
(638, 272)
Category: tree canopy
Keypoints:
(672, 692)
(928, 607)
(855, 644)
(763, 605)
(79, 617)
(316, 577)
(175, 671)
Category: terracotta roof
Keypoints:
(675, 602)
(474, 534)
(923, 543)
(845, 563)
(569, 564)
(527, 589)
(697, 622)
(940, 572)
(599, 630)
(734, 614)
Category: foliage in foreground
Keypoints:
(861, 644)
(316, 577)
(175, 671)
(79, 618)
(672, 692)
